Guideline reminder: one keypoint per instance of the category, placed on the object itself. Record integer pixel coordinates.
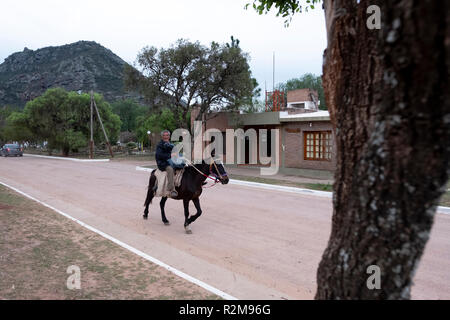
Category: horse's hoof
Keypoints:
(188, 230)
(167, 223)
(145, 217)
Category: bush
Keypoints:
(126, 137)
(131, 146)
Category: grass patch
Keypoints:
(38, 245)
(287, 183)
(445, 199)
(319, 186)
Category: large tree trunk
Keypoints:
(387, 92)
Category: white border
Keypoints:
(130, 248)
(69, 159)
(326, 194)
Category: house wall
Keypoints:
(291, 136)
(268, 128)
(301, 95)
(308, 104)
(293, 140)
(217, 121)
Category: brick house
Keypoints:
(306, 139)
(302, 99)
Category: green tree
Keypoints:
(15, 128)
(189, 74)
(387, 90)
(79, 107)
(307, 80)
(128, 110)
(156, 122)
(5, 112)
(62, 119)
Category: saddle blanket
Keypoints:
(161, 182)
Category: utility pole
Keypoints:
(91, 141)
(103, 128)
(273, 73)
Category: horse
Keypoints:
(191, 188)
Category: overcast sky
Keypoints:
(125, 27)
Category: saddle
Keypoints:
(161, 182)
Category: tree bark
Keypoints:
(387, 91)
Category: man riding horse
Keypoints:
(165, 163)
(192, 182)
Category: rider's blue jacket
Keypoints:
(163, 153)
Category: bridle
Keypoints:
(215, 178)
(217, 169)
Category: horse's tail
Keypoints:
(150, 189)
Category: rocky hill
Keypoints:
(84, 65)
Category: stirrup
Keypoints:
(173, 194)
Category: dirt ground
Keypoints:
(250, 243)
(38, 245)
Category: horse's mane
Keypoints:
(190, 169)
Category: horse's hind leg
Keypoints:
(186, 215)
(150, 195)
(162, 203)
(199, 210)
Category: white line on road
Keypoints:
(69, 159)
(440, 209)
(132, 249)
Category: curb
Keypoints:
(138, 168)
(265, 186)
(68, 159)
(444, 210)
(326, 194)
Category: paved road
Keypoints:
(250, 243)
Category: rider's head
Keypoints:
(165, 135)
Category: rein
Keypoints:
(190, 164)
(216, 179)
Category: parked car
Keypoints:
(11, 150)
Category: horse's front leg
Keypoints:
(196, 202)
(162, 203)
(186, 215)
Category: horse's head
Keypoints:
(217, 169)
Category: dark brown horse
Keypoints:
(191, 188)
